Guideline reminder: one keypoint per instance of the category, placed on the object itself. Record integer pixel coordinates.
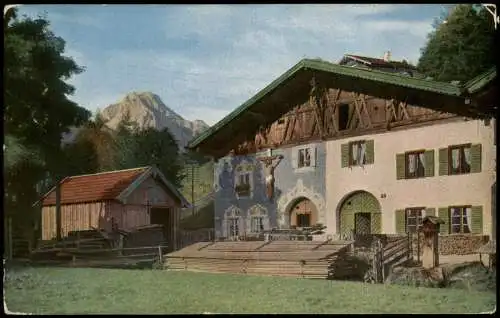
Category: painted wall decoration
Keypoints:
(244, 185)
(270, 164)
(233, 222)
(258, 219)
(300, 191)
(291, 181)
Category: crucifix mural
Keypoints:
(270, 164)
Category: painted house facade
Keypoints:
(123, 199)
(241, 191)
(356, 150)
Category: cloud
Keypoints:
(208, 59)
(82, 20)
(415, 28)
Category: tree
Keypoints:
(137, 148)
(101, 138)
(36, 106)
(461, 48)
(81, 158)
(15, 154)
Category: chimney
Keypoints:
(387, 56)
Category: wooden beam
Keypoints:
(365, 108)
(286, 130)
(313, 126)
(357, 109)
(403, 111)
(315, 102)
(391, 111)
(334, 109)
(294, 120)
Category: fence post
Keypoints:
(409, 241)
(160, 254)
(418, 247)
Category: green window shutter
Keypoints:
(430, 212)
(444, 215)
(370, 152)
(429, 163)
(475, 158)
(477, 220)
(400, 166)
(443, 161)
(344, 150)
(400, 222)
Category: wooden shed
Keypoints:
(123, 199)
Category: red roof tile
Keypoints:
(93, 187)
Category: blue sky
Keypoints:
(205, 60)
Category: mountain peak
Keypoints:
(147, 109)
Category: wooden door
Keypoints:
(303, 214)
(163, 216)
(362, 223)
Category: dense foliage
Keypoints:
(37, 110)
(37, 114)
(461, 46)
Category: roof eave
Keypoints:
(263, 92)
(316, 65)
(40, 201)
(480, 81)
(122, 197)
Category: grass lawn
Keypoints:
(74, 291)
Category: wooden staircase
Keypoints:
(384, 256)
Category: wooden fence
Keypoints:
(386, 254)
(129, 257)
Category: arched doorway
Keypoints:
(303, 213)
(360, 212)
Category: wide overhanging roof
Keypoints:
(292, 88)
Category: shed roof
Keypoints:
(104, 186)
(293, 86)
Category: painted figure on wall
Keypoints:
(270, 164)
(225, 178)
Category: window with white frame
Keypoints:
(258, 218)
(460, 219)
(243, 179)
(459, 159)
(256, 224)
(233, 227)
(233, 222)
(414, 217)
(357, 153)
(304, 158)
(415, 164)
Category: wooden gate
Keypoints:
(360, 203)
(362, 225)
